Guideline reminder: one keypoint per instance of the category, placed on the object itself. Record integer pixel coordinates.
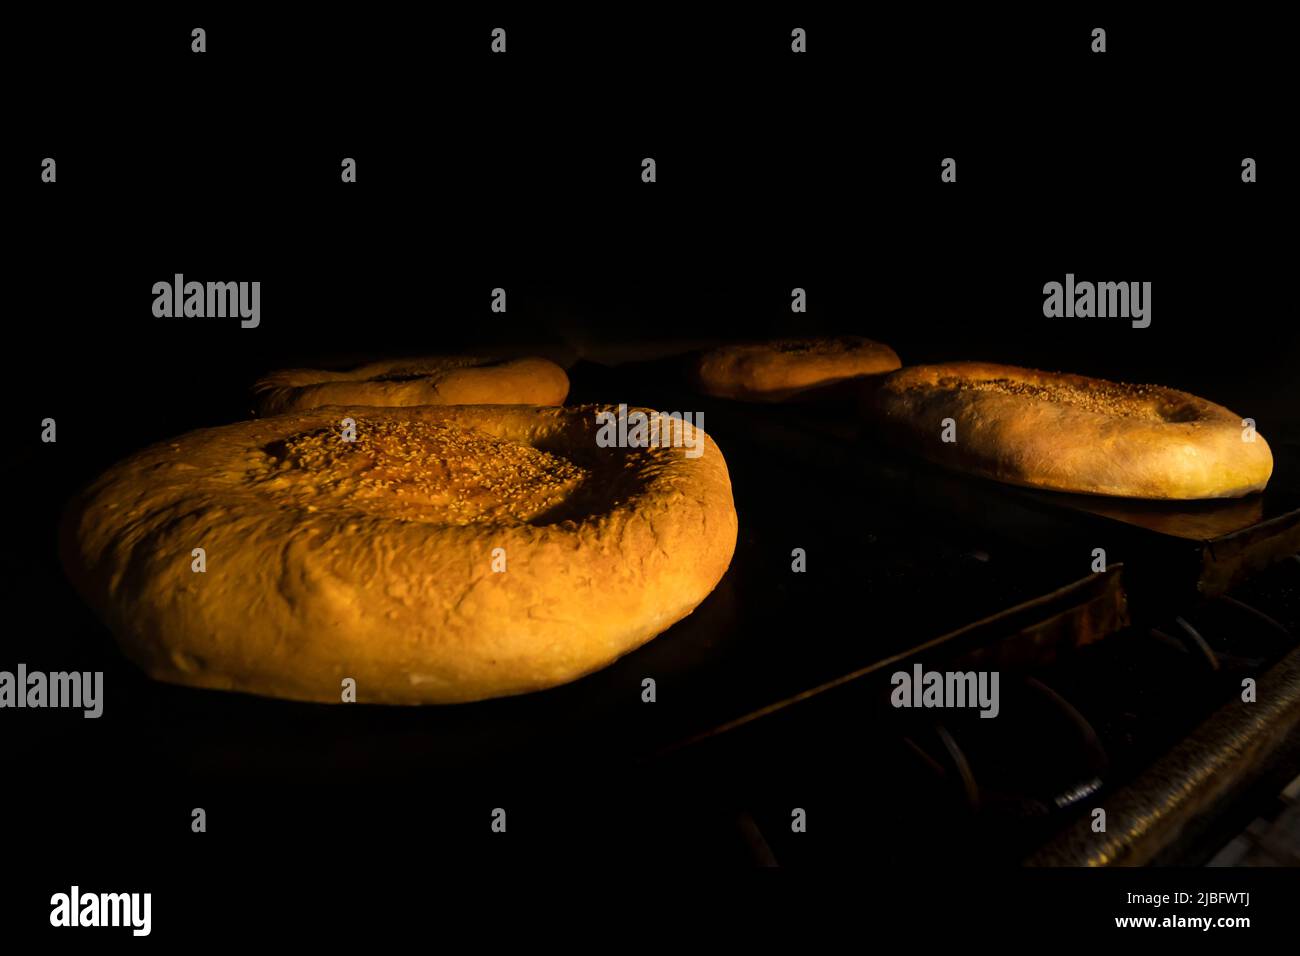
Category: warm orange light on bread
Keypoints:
(446, 554)
(788, 369)
(434, 380)
(1072, 433)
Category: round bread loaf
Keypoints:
(1072, 433)
(786, 369)
(445, 554)
(434, 380)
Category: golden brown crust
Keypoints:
(1072, 433)
(374, 559)
(432, 380)
(783, 369)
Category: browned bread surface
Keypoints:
(784, 369)
(433, 380)
(1072, 433)
(376, 559)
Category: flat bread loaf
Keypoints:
(1071, 433)
(433, 380)
(445, 554)
(789, 369)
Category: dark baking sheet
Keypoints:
(887, 573)
(1204, 546)
(884, 577)
(1173, 551)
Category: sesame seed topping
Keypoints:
(1112, 399)
(433, 472)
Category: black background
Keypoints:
(476, 171)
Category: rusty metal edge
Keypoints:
(1228, 561)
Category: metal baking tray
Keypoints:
(886, 576)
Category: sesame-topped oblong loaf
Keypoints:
(432, 380)
(1070, 432)
(443, 554)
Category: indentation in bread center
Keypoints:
(432, 472)
(1112, 399)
